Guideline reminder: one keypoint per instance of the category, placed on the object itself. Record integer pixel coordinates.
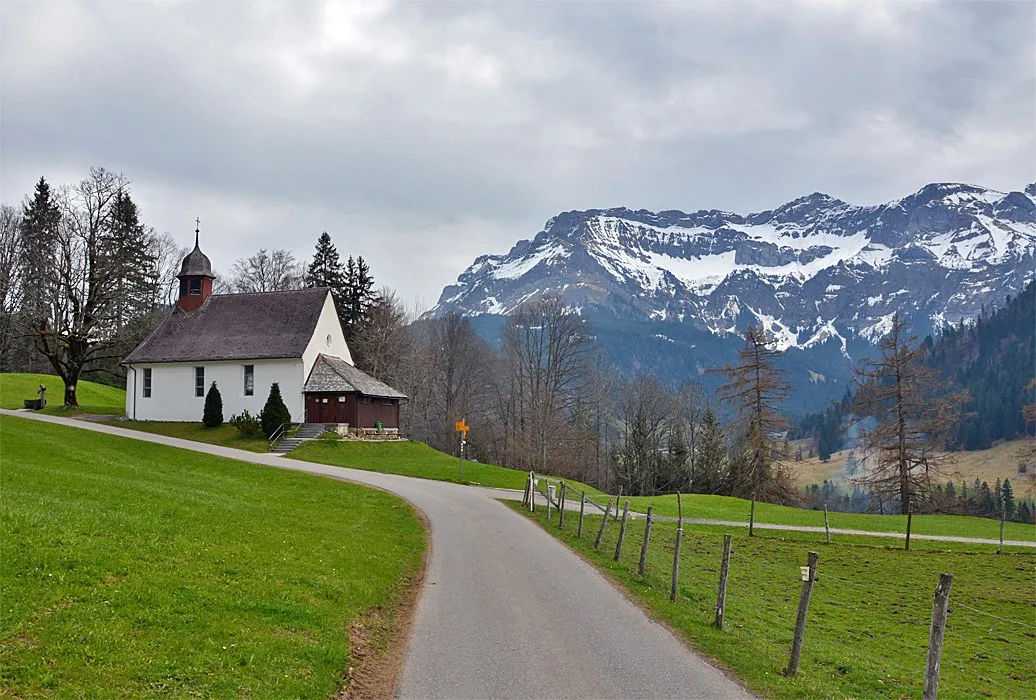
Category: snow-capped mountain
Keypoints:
(816, 272)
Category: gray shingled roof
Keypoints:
(263, 325)
(331, 373)
(196, 263)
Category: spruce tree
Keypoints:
(131, 261)
(213, 414)
(365, 295)
(275, 413)
(711, 455)
(38, 255)
(1007, 494)
(824, 449)
(326, 270)
(359, 296)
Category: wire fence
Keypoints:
(863, 616)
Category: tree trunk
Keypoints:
(70, 390)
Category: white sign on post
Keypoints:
(805, 572)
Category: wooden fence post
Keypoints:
(582, 508)
(532, 475)
(644, 547)
(604, 523)
(676, 552)
(751, 518)
(910, 518)
(724, 570)
(525, 495)
(800, 620)
(561, 506)
(1001, 531)
(622, 530)
(827, 527)
(548, 488)
(942, 600)
(617, 499)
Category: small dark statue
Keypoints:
(37, 404)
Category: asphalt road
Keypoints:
(507, 611)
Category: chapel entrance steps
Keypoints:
(306, 431)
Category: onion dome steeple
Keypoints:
(195, 276)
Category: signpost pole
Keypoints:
(463, 429)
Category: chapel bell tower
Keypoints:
(195, 278)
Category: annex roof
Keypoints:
(255, 326)
(331, 373)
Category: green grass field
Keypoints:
(131, 569)
(93, 398)
(225, 435)
(409, 458)
(736, 509)
(869, 617)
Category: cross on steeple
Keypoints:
(197, 228)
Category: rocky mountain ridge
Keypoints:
(817, 272)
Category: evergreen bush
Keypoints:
(247, 424)
(213, 415)
(275, 413)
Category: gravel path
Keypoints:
(507, 611)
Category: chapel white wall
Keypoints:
(172, 388)
(327, 325)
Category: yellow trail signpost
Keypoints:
(463, 429)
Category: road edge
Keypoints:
(679, 636)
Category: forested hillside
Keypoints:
(993, 358)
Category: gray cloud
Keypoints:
(423, 134)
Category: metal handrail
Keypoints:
(277, 433)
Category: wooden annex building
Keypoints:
(338, 392)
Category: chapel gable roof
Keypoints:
(331, 373)
(256, 326)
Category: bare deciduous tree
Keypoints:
(647, 415)
(915, 415)
(381, 346)
(546, 350)
(74, 330)
(267, 271)
(1027, 455)
(10, 282)
(168, 255)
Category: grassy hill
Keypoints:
(998, 462)
(131, 569)
(737, 510)
(225, 435)
(410, 458)
(93, 398)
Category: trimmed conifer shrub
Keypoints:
(213, 415)
(275, 413)
(247, 424)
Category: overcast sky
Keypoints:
(423, 134)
